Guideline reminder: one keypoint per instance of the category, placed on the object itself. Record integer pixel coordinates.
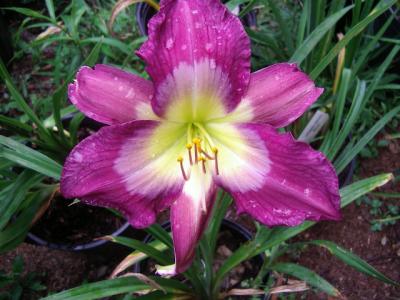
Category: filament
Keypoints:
(180, 160)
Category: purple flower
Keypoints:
(202, 122)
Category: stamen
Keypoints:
(203, 161)
(189, 148)
(196, 142)
(207, 155)
(215, 151)
(204, 133)
(180, 160)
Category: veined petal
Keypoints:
(277, 95)
(299, 183)
(197, 52)
(130, 167)
(189, 216)
(242, 157)
(111, 96)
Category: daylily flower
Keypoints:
(203, 122)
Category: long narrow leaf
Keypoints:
(29, 158)
(306, 275)
(341, 163)
(353, 260)
(380, 8)
(106, 288)
(312, 40)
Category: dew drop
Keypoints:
(169, 43)
(130, 93)
(208, 46)
(213, 65)
(184, 47)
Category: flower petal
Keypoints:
(130, 167)
(299, 182)
(189, 216)
(277, 95)
(111, 96)
(196, 50)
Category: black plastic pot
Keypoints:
(144, 12)
(75, 247)
(239, 232)
(347, 174)
(95, 244)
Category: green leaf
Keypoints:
(116, 286)
(12, 197)
(346, 157)
(353, 260)
(160, 234)
(91, 59)
(29, 13)
(312, 40)
(306, 275)
(359, 188)
(108, 41)
(301, 30)
(142, 247)
(15, 233)
(351, 118)
(18, 97)
(286, 34)
(15, 125)
(29, 158)
(362, 58)
(380, 8)
(50, 122)
(50, 9)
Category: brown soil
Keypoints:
(59, 270)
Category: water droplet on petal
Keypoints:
(169, 43)
(213, 64)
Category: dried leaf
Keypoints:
(120, 6)
(242, 292)
(51, 30)
(128, 261)
(146, 280)
(293, 286)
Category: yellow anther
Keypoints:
(179, 159)
(189, 146)
(214, 150)
(196, 141)
(202, 158)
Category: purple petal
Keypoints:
(116, 167)
(189, 216)
(278, 94)
(300, 183)
(186, 36)
(111, 96)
